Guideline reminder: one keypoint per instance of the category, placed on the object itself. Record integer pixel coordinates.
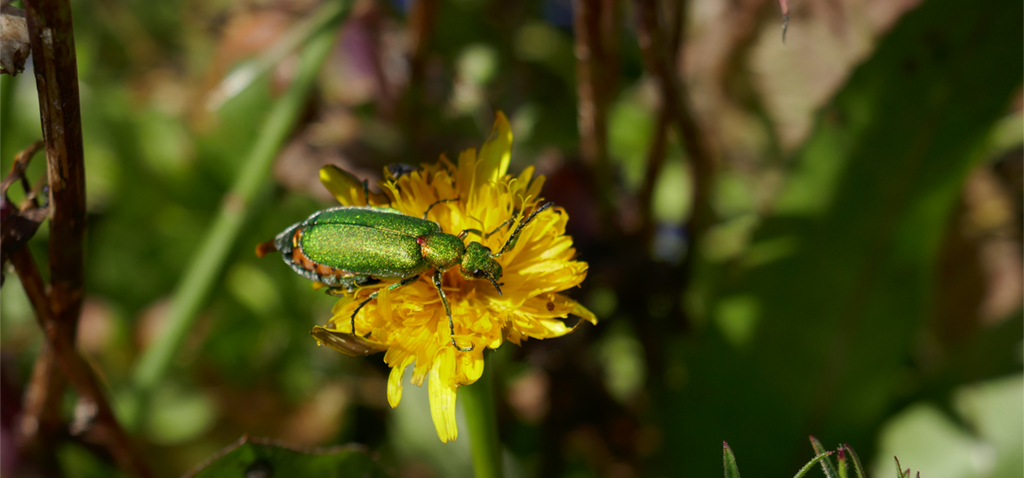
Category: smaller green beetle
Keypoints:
(348, 247)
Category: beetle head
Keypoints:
(479, 263)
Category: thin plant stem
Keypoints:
(592, 99)
(55, 66)
(651, 38)
(106, 429)
(201, 275)
(657, 154)
(40, 419)
(57, 308)
(478, 403)
(422, 22)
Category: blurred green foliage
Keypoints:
(811, 309)
(260, 458)
(823, 328)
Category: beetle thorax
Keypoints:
(442, 251)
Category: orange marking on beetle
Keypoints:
(300, 258)
(424, 250)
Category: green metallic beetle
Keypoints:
(349, 247)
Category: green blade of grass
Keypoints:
(200, 277)
(857, 466)
(899, 469)
(826, 464)
(803, 471)
(729, 462)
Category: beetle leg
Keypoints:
(406, 281)
(448, 309)
(511, 242)
(348, 285)
(507, 222)
(439, 201)
(465, 232)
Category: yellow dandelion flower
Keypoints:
(410, 323)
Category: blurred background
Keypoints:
(817, 236)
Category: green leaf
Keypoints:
(978, 435)
(857, 466)
(826, 463)
(250, 456)
(803, 471)
(899, 469)
(729, 462)
(837, 311)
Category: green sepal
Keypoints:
(348, 344)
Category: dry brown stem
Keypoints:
(422, 19)
(676, 99)
(656, 155)
(49, 24)
(40, 420)
(593, 60)
(53, 47)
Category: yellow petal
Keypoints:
(345, 187)
(395, 381)
(471, 366)
(582, 312)
(348, 189)
(465, 177)
(384, 304)
(496, 152)
(442, 395)
(420, 372)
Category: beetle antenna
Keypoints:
(439, 201)
(496, 285)
(265, 248)
(515, 235)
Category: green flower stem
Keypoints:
(478, 403)
(202, 273)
